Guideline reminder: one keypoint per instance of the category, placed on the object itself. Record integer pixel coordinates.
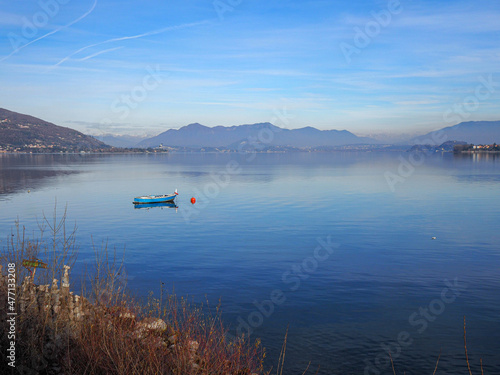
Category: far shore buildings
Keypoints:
(484, 147)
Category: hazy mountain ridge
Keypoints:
(197, 135)
(475, 132)
(120, 140)
(22, 132)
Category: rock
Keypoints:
(154, 324)
(173, 339)
(157, 342)
(193, 345)
(65, 282)
(195, 366)
(127, 315)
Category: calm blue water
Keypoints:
(253, 240)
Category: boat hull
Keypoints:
(154, 199)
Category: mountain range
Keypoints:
(233, 137)
(475, 132)
(120, 140)
(20, 132)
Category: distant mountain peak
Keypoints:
(308, 129)
(199, 136)
(476, 132)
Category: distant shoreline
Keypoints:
(194, 151)
(202, 152)
(81, 152)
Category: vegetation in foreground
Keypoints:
(104, 331)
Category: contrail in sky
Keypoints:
(99, 53)
(154, 32)
(52, 32)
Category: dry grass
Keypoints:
(113, 336)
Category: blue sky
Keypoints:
(146, 66)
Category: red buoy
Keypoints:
(193, 200)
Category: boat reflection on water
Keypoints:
(163, 205)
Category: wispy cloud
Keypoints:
(9, 19)
(468, 21)
(52, 32)
(149, 33)
(101, 128)
(99, 53)
(262, 89)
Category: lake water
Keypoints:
(336, 246)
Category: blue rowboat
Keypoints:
(146, 199)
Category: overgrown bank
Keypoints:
(100, 329)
